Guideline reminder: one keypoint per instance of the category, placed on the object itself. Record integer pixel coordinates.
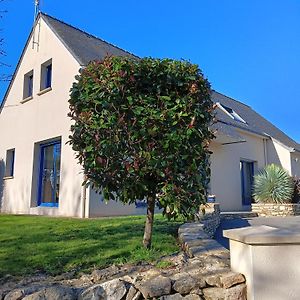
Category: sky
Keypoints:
(248, 49)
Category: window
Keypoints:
(10, 161)
(46, 75)
(49, 175)
(235, 116)
(28, 85)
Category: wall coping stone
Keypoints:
(263, 235)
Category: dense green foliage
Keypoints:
(273, 185)
(296, 194)
(142, 130)
(54, 245)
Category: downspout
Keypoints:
(265, 152)
(84, 199)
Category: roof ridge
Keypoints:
(232, 98)
(87, 33)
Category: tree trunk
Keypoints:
(149, 222)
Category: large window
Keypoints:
(46, 75)
(49, 177)
(28, 85)
(10, 163)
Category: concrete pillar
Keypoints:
(269, 258)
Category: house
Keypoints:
(39, 173)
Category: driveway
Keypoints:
(278, 222)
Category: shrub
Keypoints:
(273, 185)
(296, 195)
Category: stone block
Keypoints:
(155, 287)
(238, 292)
(214, 293)
(184, 284)
(228, 280)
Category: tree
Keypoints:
(142, 132)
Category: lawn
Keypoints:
(30, 244)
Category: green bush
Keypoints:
(296, 195)
(142, 130)
(273, 185)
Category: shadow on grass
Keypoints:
(55, 245)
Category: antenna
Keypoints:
(36, 13)
(36, 9)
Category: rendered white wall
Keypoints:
(42, 118)
(97, 207)
(278, 154)
(225, 169)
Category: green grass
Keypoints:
(30, 244)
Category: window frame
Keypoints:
(243, 162)
(42, 146)
(46, 78)
(10, 163)
(28, 86)
(231, 113)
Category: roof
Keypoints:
(84, 46)
(255, 123)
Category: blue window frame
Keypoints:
(28, 85)
(46, 75)
(49, 175)
(247, 173)
(10, 163)
(48, 79)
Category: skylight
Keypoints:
(231, 113)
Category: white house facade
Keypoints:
(39, 173)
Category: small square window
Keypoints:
(28, 85)
(10, 162)
(46, 75)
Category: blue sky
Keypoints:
(248, 49)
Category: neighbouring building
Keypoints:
(39, 173)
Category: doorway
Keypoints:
(49, 175)
(247, 173)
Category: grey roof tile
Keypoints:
(84, 46)
(255, 123)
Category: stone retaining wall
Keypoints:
(215, 264)
(210, 218)
(274, 210)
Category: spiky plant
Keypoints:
(273, 185)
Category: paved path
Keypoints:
(278, 222)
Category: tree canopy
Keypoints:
(141, 131)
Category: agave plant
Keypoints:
(273, 184)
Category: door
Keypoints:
(247, 173)
(49, 177)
